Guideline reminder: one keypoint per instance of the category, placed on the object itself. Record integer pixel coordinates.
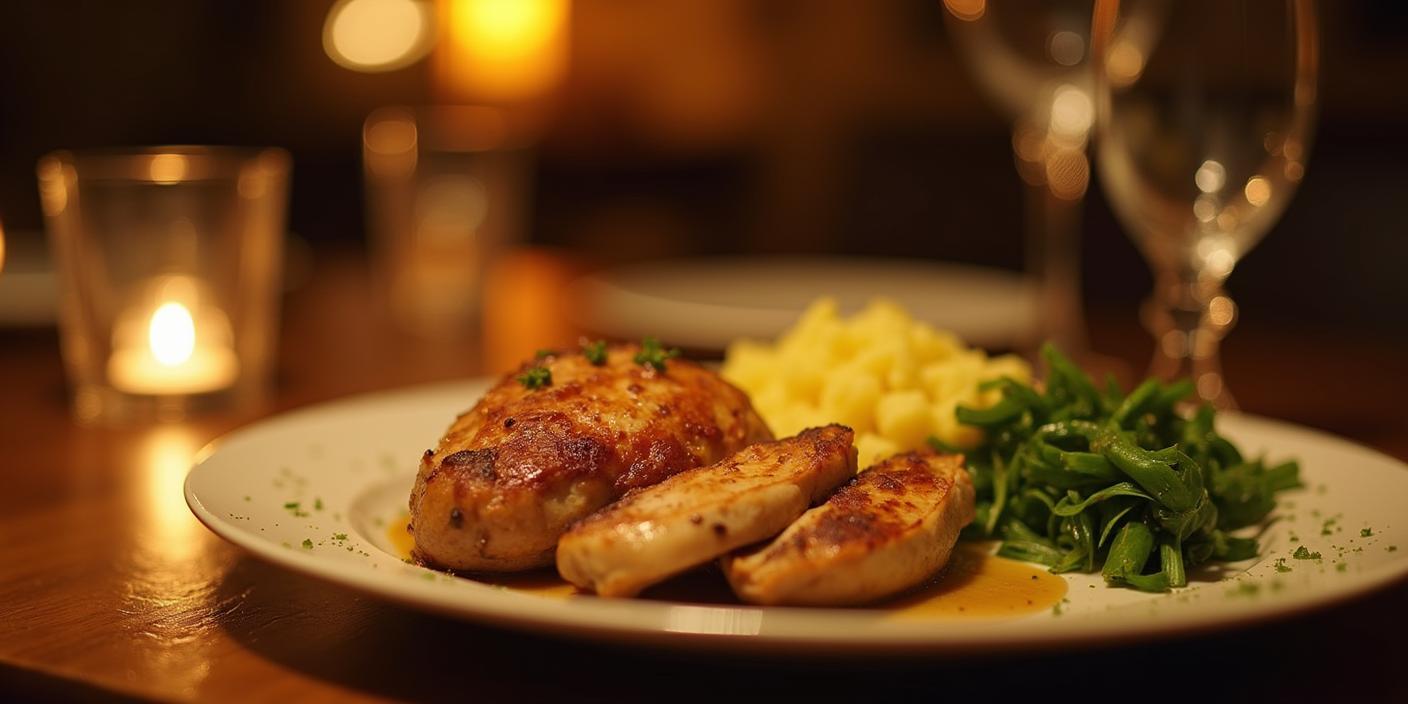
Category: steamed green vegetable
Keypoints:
(1082, 479)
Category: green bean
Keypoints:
(1135, 403)
(1129, 551)
(1172, 394)
(1091, 465)
(999, 483)
(1069, 507)
(1171, 559)
(1156, 477)
(1112, 520)
(1003, 411)
(1157, 582)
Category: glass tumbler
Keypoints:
(169, 262)
(447, 190)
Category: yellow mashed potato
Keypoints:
(893, 379)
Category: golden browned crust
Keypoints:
(808, 448)
(515, 470)
(699, 514)
(888, 529)
(880, 504)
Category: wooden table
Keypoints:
(108, 586)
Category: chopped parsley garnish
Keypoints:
(1302, 553)
(544, 353)
(1281, 565)
(292, 505)
(1366, 532)
(536, 378)
(1341, 567)
(307, 544)
(318, 504)
(595, 352)
(652, 355)
(339, 536)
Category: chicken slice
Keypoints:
(891, 528)
(700, 514)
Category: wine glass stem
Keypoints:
(1053, 259)
(1189, 315)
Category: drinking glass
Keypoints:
(1030, 58)
(447, 191)
(1201, 140)
(169, 264)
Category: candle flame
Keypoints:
(172, 334)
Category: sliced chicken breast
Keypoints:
(699, 514)
(891, 528)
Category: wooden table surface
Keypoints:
(110, 588)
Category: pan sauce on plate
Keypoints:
(974, 584)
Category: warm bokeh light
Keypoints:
(524, 295)
(172, 334)
(54, 179)
(377, 35)
(1123, 64)
(967, 10)
(2, 247)
(391, 135)
(167, 168)
(389, 141)
(1072, 112)
(1067, 173)
(1210, 176)
(503, 50)
(1205, 208)
(1221, 311)
(1257, 191)
(1066, 48)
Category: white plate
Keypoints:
(349, 465)
(705, 303)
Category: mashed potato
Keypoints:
(895, 380)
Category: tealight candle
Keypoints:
(174, 358)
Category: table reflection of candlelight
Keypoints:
(501, 51)
(179, 353)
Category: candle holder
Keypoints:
(447, 190)
(169, 265)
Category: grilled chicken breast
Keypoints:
(892, 527)
(513, 472)
(700, 514)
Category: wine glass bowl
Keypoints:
(1030, 58)
(1201, 140)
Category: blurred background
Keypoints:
(694, 127)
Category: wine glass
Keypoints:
(1031, 60)
(1201, 140)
